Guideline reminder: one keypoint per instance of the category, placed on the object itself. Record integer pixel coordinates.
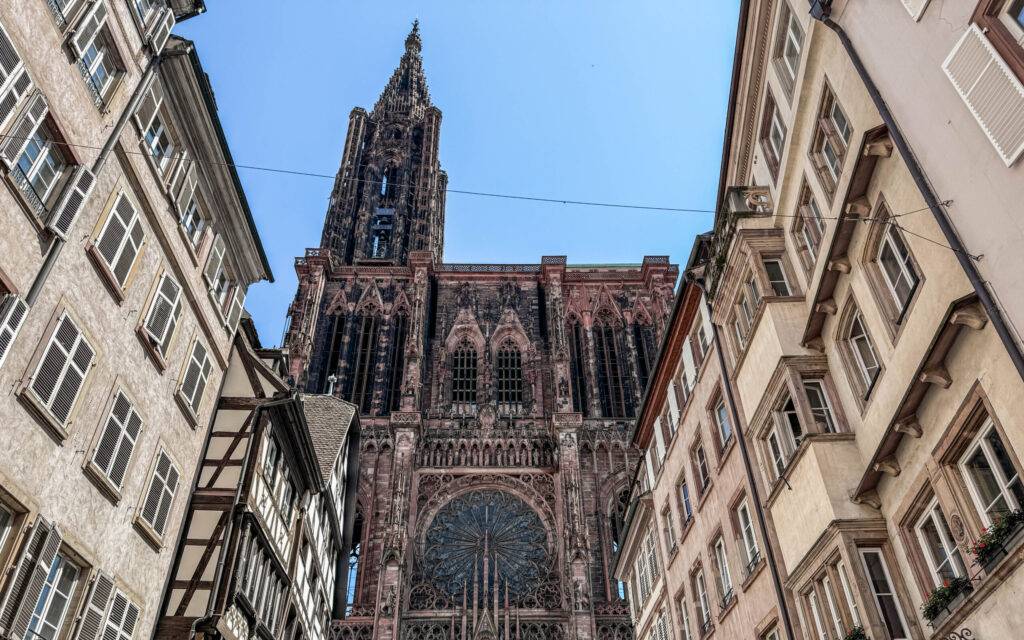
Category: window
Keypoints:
(809, 228)
(193, 223)
(158, 142)
(577, 358)
(830, 141)
(815, 606)
(862, 353)
(773, 136)
(144, 9)
(686, 507)
(659, 630)
(96, 54)
(41, 163)
(684, 614)
(851, 602)
(897, 268)
(464, 376)
(789, 42)
(15, 82)
(646, 351)
(821, 411)
(884, 595)
(162, 486)
(777, 277)
(197, 373)
(6, 524)
(610, 382)
(699, 344)
(381, 228)
(785, 436)
(722, 571)
(62, 370)
(121, 239)
(721, 416)
(992, 477)
(671, 542)
(164, 313)
(833, 607)
(121, 431)
(396, 368)
(510, 377)
(121, 619)
(940, 552)
(749, 538)
(365, 362)
(50, 612)
(703, 474)
(703, 604)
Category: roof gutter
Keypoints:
(821, 10)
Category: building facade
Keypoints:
(871, 373)
(123, 269)
(695, 555)
(495, 400)
(265, 542)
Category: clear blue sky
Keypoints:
(600, 100)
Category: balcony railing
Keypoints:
(58, 14)
(29, 192)
(706, 628)
(755, 560)
(727, 599)
(90, 83)
(740, 202)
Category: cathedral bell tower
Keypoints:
(388, 196)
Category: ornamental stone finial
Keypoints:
(413, 44)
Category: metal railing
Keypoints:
(29, 192)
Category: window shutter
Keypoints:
(30, 550)
(62, 369)
(215, 259)
(915, 8)
(160, 495)
(180, 170)
(121, 239)
(96, 607)
(163, 315)
(994, 95)
(71, 201)
(121, 620)
(149, 105)
(115, 447)
(196, 376)
(161, 31)
(187, 188)
(40, 568)
(88, 27)
(12, 315)
(14, 79)
(237, 306)
(10, 61)
(18, 137)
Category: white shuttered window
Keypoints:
(164, 313)
(197, 373)
(160, 495)
(121, 431)
(121, 239)
(61, 372)
(14, 79)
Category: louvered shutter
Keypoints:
(187, 188)
(162, 487)
(88, 28)
(991, 91)
(14, 79)
(62, 369)
(71, 201)
(121, 621)
(149, 105)
(114, 450)
(161, 31)
(215, 260)
(95, 614)
(237, 306)
(34, 584)
(163, 315)
(915, 8)
(121, 239)
(196, 376)
(180, 170)
(12, 315)
(19, 135)
(30, 550)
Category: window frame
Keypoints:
(892, 593)
(933, 514)
(809, 237)
(46, 596)
(979, 443)
(772, 126)
(830, 135)
(772, 282)
(787, 72)
(858, 372)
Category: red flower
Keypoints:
(945, 583)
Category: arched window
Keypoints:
(616, 521)
(396, 363)
(610, 384)
(464, 376)
(510, 377)
(336, 329)
(643, 340)
(353, 564)
(576, 374)
(366, 357)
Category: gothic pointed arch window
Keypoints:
(335, 332)
(616, 529)
(365, 360)
(464, 382)
(615, 401)
(396, 361)
(646, 351)
(510, 377)
(353, 564)
(577, 358)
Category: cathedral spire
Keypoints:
(406, 91)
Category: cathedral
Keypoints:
(496, 400)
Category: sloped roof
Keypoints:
(328, 419)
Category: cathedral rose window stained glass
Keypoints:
(488, 523)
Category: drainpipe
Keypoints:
(57, 244)
(821, 10)
(780, 592)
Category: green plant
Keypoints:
(992, 538)
(940, 598)
(856, 633)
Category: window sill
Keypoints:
(687, 527)
(725, 452)
(186, 409)
(105, 274)
(56, 430)
(101, 481)
(147, 532)
(151, 349)
(702, 498)
(38, 218)
(728, 608)
(752, 576)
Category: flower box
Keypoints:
(945, 600)
(952, 606)
(1005, 534)
(856, 633)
